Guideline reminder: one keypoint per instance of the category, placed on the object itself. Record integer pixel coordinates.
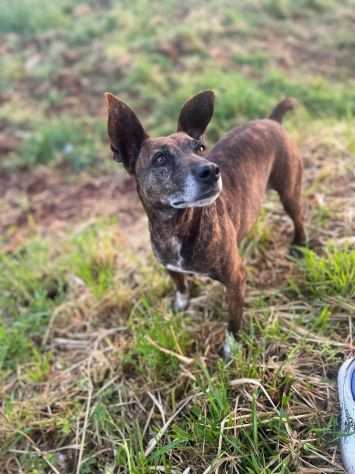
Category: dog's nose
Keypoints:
(206, 173)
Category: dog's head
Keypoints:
(170, 171)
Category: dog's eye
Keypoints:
(200, 147)
(160, 159)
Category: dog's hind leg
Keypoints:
(291, 199)
(182, 297)
(288, 185)
(294, 208)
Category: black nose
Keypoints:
(206, 173)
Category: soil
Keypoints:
(42, 201)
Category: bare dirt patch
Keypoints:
(44, 202)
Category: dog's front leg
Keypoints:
(235, 300)
(182, 297)
(234, 281)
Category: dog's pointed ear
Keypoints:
(196, 114)
(125, 131)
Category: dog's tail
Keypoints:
(282, 107)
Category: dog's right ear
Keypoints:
(196, 114)
(125, 131)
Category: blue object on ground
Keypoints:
(346, 391)
(353, 384)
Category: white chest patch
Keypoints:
(175, 268)
(169, 254)
(180, 269)
(177, 261)
(176, 251)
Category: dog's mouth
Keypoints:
(205, 199)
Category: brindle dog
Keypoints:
(196, 223)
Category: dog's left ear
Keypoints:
(125, 131)
(196, 114)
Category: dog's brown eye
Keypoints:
(160, 159)
(200, 148)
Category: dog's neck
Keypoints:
(170, 220)
(175, 236)
(180, 237)
(167, 217)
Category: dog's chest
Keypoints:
(169, 253)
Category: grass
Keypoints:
(61, 142)
(285, 8)
(30, 17)
(94, 260)
(30, 287)
(248, 80)
(97, 373)
(244, 413)
(330, 275)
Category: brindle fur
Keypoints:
(204, 240)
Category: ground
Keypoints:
(97, 374)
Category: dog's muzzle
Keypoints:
(201, 190)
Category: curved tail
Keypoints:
(281, 108)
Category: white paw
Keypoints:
(230, 346)
(181, 301)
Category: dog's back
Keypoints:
(254, 157)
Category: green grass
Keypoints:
(66, 142)
(74, 143)
(332, 274)
(30, 17)
(167, 332)
(241, 413)
(30, 287)
(34, 281)
(94, 364)
(155, 68)
(94, 259)
(282, 9)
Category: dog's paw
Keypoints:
(299, 243)
(181, 301)
(296, 251)
(230, 346)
